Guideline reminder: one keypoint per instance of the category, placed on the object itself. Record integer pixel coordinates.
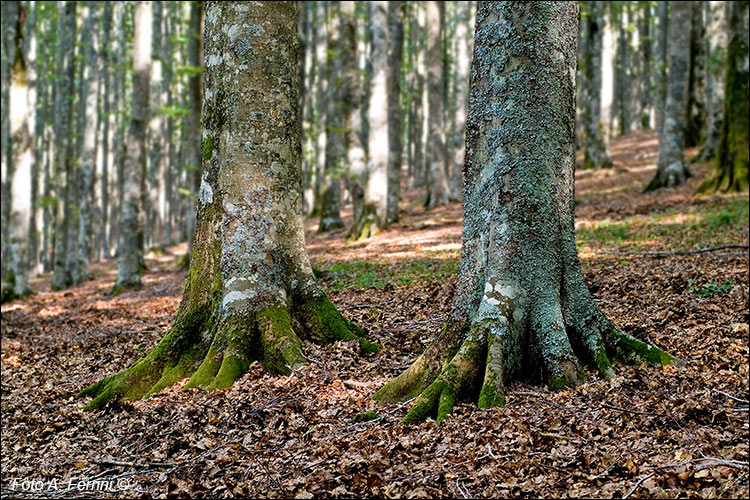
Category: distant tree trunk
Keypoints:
(64, 142)
(321, 89)
(696, 112)
(438, 190)
(461, 72)
(250, 292)
(623, 80)
(156, 159)
(644, 48)
(608, 107)
(395, 129)
(337, 114)
(37, 70)
(661, 52)
(118, 142)
(88, 157)
(170, 164)
(671, 167)
(195, 93)
(730, 171)
(716, 42)
(106, 100)
(130, 222)
(420, 97)
(595, 146)
(521, 302)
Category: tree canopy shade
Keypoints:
(521, 306)
(250, 290)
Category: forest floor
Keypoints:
(649, 433)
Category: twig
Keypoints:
(605, 405)
(638, 484)
(733, 398)
(706, 462)
(676, 252)
(360, 306)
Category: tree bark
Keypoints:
(195, 93)
(644, 48)
(595, 145)
(130, 221)
(696, 111)
(462, 72)
(661, 64)
(730, 172)
(106, 105)
(716, 42)
(671, 167)
(521, 306)
(395, 142)
(250, 292)
(438, 190)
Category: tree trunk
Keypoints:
(716, 42)
(420, 97)
(88, 157)
(461, 72)
(36, 70)
(595, 145)
(730, 172)
(438, 190)
(623, 77)
(130, 222)
(521, 306)
(395, 142)
(321, 90)
(671, 167)
(195, 93)
(64, 142)
(644, 84)
(156, 160)
(106, 100)
(250, 292)
(661, 63)
(337, 116)
(696, 111)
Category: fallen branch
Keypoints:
(638, 484)
(676, 252)
(733, 398)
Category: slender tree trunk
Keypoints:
(156, 159)
(731, 171)
(661, 65)
(36, 70)
(716, 42)
(106, 100)
(521, 304)
(644, 49)
(420, 97)
(595, 145)
(130, 222)
(696, 111)
(395, 126)
(462, 72)
(118, 142)
(671, 167)
(321, 89)
(608, 108)
(64, 142)
(169, 164)
(195, 93)
(438, 191)
(623, 78)
(250, 292)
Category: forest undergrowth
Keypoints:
(649, 433)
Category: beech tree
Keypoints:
(521, 305)
(250, 293)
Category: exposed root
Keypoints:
(213, 355)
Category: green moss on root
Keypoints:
(326, 324)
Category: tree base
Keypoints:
(214, 352)
(476, 360)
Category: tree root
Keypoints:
(213, 354)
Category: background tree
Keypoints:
(716, 41)
(521, 305)
(671, 167)
(249, 280)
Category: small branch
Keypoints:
(629, 411)
(677, 252)
(733, 398)
(638, 484)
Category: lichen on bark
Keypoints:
(521, 307)
(250, 294)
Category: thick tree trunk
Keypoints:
(731, 170)
(521, 306)
(130, 221)
(671, 167)
(595, 145)
(373, 216)
(395, 142)
(438, 190)
(716, 42)
(337, 116)
(250, 290)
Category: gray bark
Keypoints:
(320, 41)
(156, 159)
(623, 77)
(463, 37)
(661, 63)
(195, 93)
(106, 100)
(595, 145)
(10, 13)
(438, 190)
(644, 83)
(130, 221)
(716, 42)
(395, 142)
(671, 167)
(696, 117)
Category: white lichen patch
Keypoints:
(213, 60)
(234, 296)
(206, 194)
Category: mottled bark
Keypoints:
(462, 70)
(321, 92)
(118, 140)
(716, 42)
(10, 13)
(395, 141)
(105, 138)
(37, 86)
(195, 93)
(595, 145)
(671, 167)
(521, 306)
(696, 111)
(156, 158)
(64, 144)
(419, 97)
(131, 217)
(438, 190)
(644, 70)
(337, 117)
(623, 77)
(731, 172)
(250, 292)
